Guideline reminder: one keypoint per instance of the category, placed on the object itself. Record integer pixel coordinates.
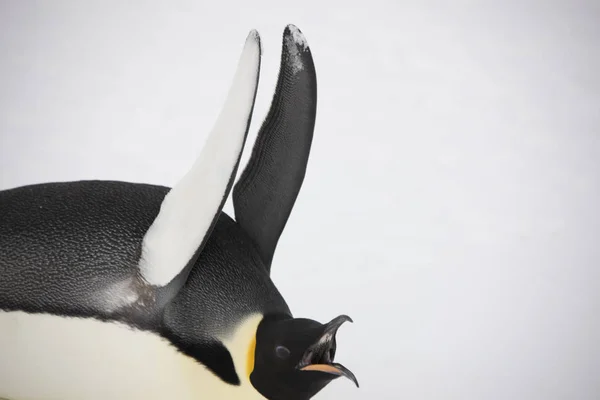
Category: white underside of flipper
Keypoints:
(189, 209)
(48, 357)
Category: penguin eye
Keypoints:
(282, 352)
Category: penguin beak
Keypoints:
(320, 355)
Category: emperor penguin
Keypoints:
(119, 290)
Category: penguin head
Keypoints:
(294, 357)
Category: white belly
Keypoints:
(46, 357)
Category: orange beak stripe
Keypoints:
(323, 368)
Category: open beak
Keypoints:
(319, 356)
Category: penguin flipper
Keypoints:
(190, 210)
(265, 194)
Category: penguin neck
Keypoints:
(228, 352)
(241, 344)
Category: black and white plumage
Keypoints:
(123, 290)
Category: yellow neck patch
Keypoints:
(250, 357)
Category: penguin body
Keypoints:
(71, 308)
(127, 291)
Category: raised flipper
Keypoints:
(190, 210)
(265, 194)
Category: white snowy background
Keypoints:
(451, 202)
